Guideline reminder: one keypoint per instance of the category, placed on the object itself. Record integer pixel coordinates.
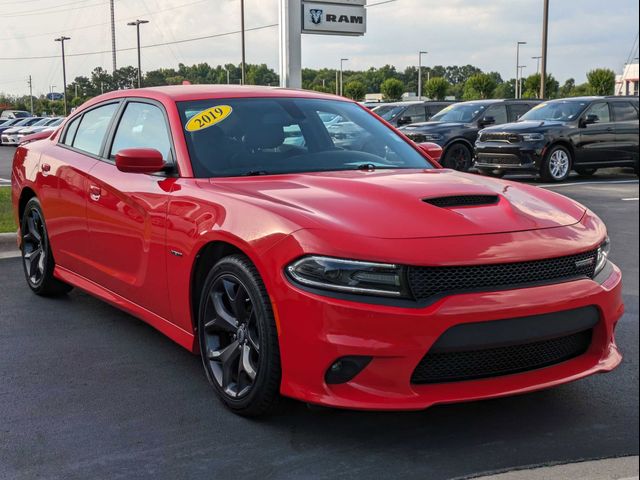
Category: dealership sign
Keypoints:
(333, 17)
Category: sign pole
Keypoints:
(290, 13)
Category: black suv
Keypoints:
(456, 127)
(404, 113)
(582, 134)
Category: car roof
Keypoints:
(181, 93)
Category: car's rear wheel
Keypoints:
(458, 157)
(556, 165)
(37, 258)
(238, 338)
(585, 172)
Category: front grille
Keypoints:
(500, 137)
(427, 282)
(499, 159)
(441, 367)
(462, 200)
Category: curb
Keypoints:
(8, 245)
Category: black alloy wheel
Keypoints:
(458, 157)
(238, 339)
(37, 258)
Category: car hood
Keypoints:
(430, 126)
(390, 203)
(525, 126)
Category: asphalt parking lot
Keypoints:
(87, 391)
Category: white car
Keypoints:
(10, 136)
(49, 125)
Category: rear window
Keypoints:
(624, 112)
(262, 136)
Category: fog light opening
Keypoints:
(345, 369)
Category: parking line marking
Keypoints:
(4, 180)
(633, 199)
(604, 182)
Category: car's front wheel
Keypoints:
(37, 258)
(458, 157)
(238, 337)
(556, 165)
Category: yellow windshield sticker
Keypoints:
(446, 109)
(540, 105)
(208, 118)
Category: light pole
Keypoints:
(228, 77)
(342, 60)
(518, 65)
(243, 72)
(520, 68)
(545, 28)
(62, 39)
(420, 74)
(137, 24)
(537, 59)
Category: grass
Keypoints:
(7, 223)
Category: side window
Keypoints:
(142, 126)
(624, 112)
(517, 110)
(416, 113)
(93, 128)
(499, 112)
(601, 110)
(72, 128)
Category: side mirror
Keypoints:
(590, 119)
(404, 121)
(432, 150)
(139, 160)
(487, 121)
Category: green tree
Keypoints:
(568, 88)
(436, 88)
(355, 90)
(392, 89)
(602, 81)
(505, 89)
(480, 85)
(531, 86)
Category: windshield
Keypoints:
(559, 111)
(460, 112)
(40, 123)
(262, 136)
(389, 112)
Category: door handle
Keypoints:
(95, 193)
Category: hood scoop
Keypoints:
(462, 201)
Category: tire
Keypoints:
(556, 165)
(491, 172)
(585, 172)
(458, 157)
(37, 259)
(238, 338)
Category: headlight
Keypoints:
(532, 137)
(431, 137)
(603, 255)
(349, 276)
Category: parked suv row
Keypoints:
(582, 134)
(405, 113)
(456, 127)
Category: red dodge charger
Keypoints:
(303, 247)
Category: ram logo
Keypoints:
(316, 16)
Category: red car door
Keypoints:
(126, 213)
(66, 166)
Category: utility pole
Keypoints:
(420, 74)
(342, 60)
(518, 66)
(62, 39)
(113, 35)
(545, 32)
(243, 68)
(31, 94)
(137, 24)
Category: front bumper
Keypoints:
(316, 330)
(508, 157)
(10, 139)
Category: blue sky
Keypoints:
(584, 34)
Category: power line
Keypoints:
(53, 10)
(186, 40)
